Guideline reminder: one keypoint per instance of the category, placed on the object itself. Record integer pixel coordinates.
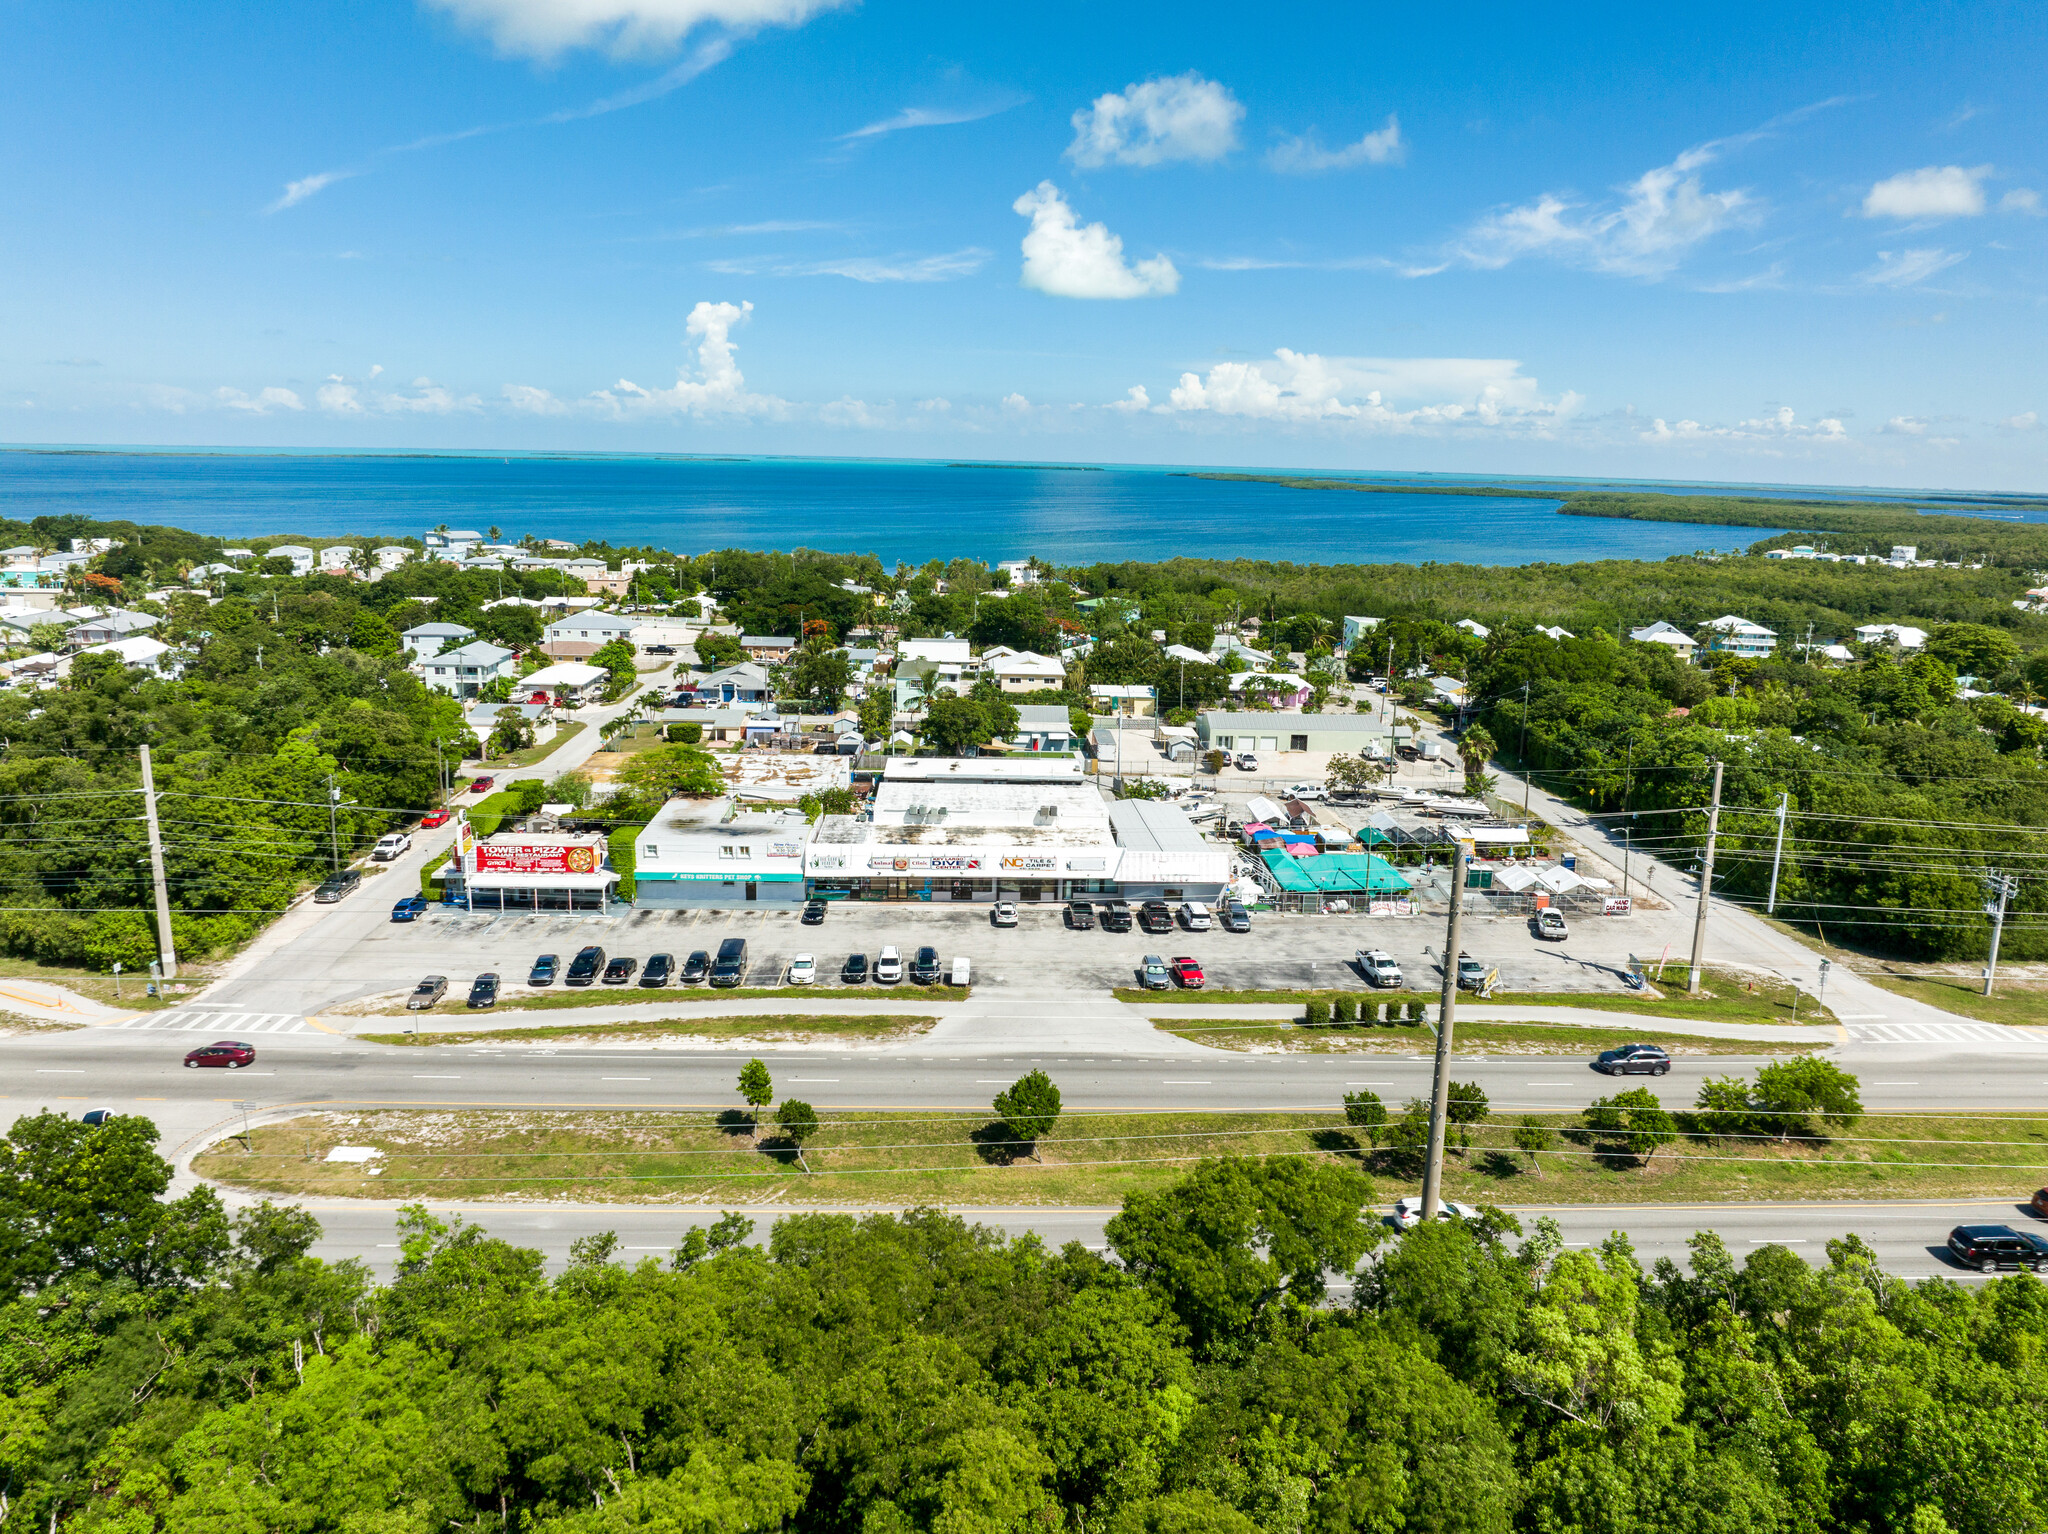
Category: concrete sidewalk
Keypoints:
(47, 1003)
(1564, 1017)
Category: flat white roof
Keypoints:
(566, 674)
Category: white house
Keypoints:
(1021, 572)
(1738, 636)
(568, 684)
(1133, 701)
(455, 543)
(1554, 633)
(1677, 640)
(1898, 636)
(427, 638)
(115, 624)
(1475, 628)
(581, 635)
(141, 652)
(483, 720)
(300, 556)
(1023, 670)
(466, 671)
(200, 574)
(390, 557)
(340, 558)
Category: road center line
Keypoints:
(1186, 1083)
(437, 1078)
(625, 1078)
(45, 1070)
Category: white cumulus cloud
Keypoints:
(2026, 420)
(1781, 425)
(545, 28)
(1386, 394)
(527, 399)
(1305, 155)
(1933, 191)
(338, 397)
(720, 388)
(263, 402)
(296, 192)
(1173, 117)
(1135, 401)
(1904, 268)
(1069, 260)
(1906, 426)
(2021, 199)
(1663, 214)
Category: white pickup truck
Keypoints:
(1379, 968)
(389, 847)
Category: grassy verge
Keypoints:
(98, 986)
(1723, 999)
(2020, 1008)
(564, 733)
(1470, 1039)
(780, 1027)
(894, 1158)
(627, 995)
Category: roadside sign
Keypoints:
(1616, 905)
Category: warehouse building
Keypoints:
(1224, 730)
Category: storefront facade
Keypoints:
(532, 873)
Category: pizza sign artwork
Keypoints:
(536, 858)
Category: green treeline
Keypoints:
(166, 1368)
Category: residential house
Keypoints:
(1283, 689)
(581, 635)
(676, 633)
(40, 603)
(1043, 727)
(720, 725)
(1738, 636)
(1023, 670)
(105, 628)
(1677, 640)
(1898, 636)
(240, 554)
(1449, 691)
(454, 543)
(567, 685)
(1180, 652)
(199, 575)
(950, 656)
(141, 652)
(706, 605)
(533, 602)
(300, 556)
(1554, 633)
(744, 683)
(1022, 573)
(467, 670)
(337, 559)
(1133, 702)
(1356, 629)
(390, 557)
(484, 718)
(1475, 628)
(427, 638)
(1905, 553)
(1226, 646)
(612, 583)
(768, 649)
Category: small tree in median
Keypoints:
(757, 1087)
(1365, 1112)
(1532, 1139)
(1635, 1120)
(1465, 1105)
(798, 1121)
(1029, 1109)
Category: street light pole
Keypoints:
(1699, 921)
(1777, 855)
(1440, 1091)
(334, 821)
(2004, 886)
(1523, 751)
(166, 941)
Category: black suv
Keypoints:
(1633, 1060)
(1988, 1248)
(1235, 917)
(924, 969)
(696, 967)
(1081, 916)
(730, 967)
(1116, 916)
(814, 911)
(586, 966)
(1156, 916)
(661, 969)
(855, 970)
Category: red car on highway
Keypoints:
(1189, 973)
(226, 1053)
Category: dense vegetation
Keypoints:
(163, 1367)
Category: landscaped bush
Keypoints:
(1316, 1013)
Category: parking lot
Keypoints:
(1039, 954)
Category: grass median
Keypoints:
(776, 1028)
(867, 1157)
(1468, 1039)
(2015, 1003)
(570, 998)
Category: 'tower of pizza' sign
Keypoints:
(535, 858)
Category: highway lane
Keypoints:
(119, 1068)
(1907, 1236)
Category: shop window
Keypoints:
(1297, 742)
(739, 853)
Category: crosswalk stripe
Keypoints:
(189, 1020)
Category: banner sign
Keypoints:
(1615, 905)
(785, 849)
(536, 858)
(1029, 865)
(933, 865)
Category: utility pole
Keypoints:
(1523, 752)
(334, 821)
(2003, 887)
(1699, 921)
(166, 944)
(1440, 1094)
(1777, 855)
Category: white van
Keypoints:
(963, 971)
(1194, 916)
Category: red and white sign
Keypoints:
(537, 858)
(1615, 905)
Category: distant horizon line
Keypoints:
(1711, 486)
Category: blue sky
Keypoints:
(1788, 242)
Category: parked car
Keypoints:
(390, 846)
(1988, 1248)
(1633, 1060)
(888, 966)
(586, 966)
(544, 970)
(427, 993)
(483, 991)
(2039, 1202)
(1116, 916)
(1550, 926)
(1156, 975)
(659, 649)
(1235, 918)
(924, 967)
(1379, 968)
(1187, 972)
(659, 970)
(1194, 915)
(1408, 1211)
(1004, 913)
(333, 888)
(227, 1053)
(482, 785)
(410, 908)
(1155, 916)
(1080, 916)
(433, 818)
(855, 970)
(620, 970)
(730, 967)
(963, 971)
(803, 969)
(814, 913)
(94, 1117)
(696, 967)
(1472, 975)
(1246, 762)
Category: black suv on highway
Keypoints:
(1991, 1247)
(586, 966)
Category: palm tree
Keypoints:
(1476, 747)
